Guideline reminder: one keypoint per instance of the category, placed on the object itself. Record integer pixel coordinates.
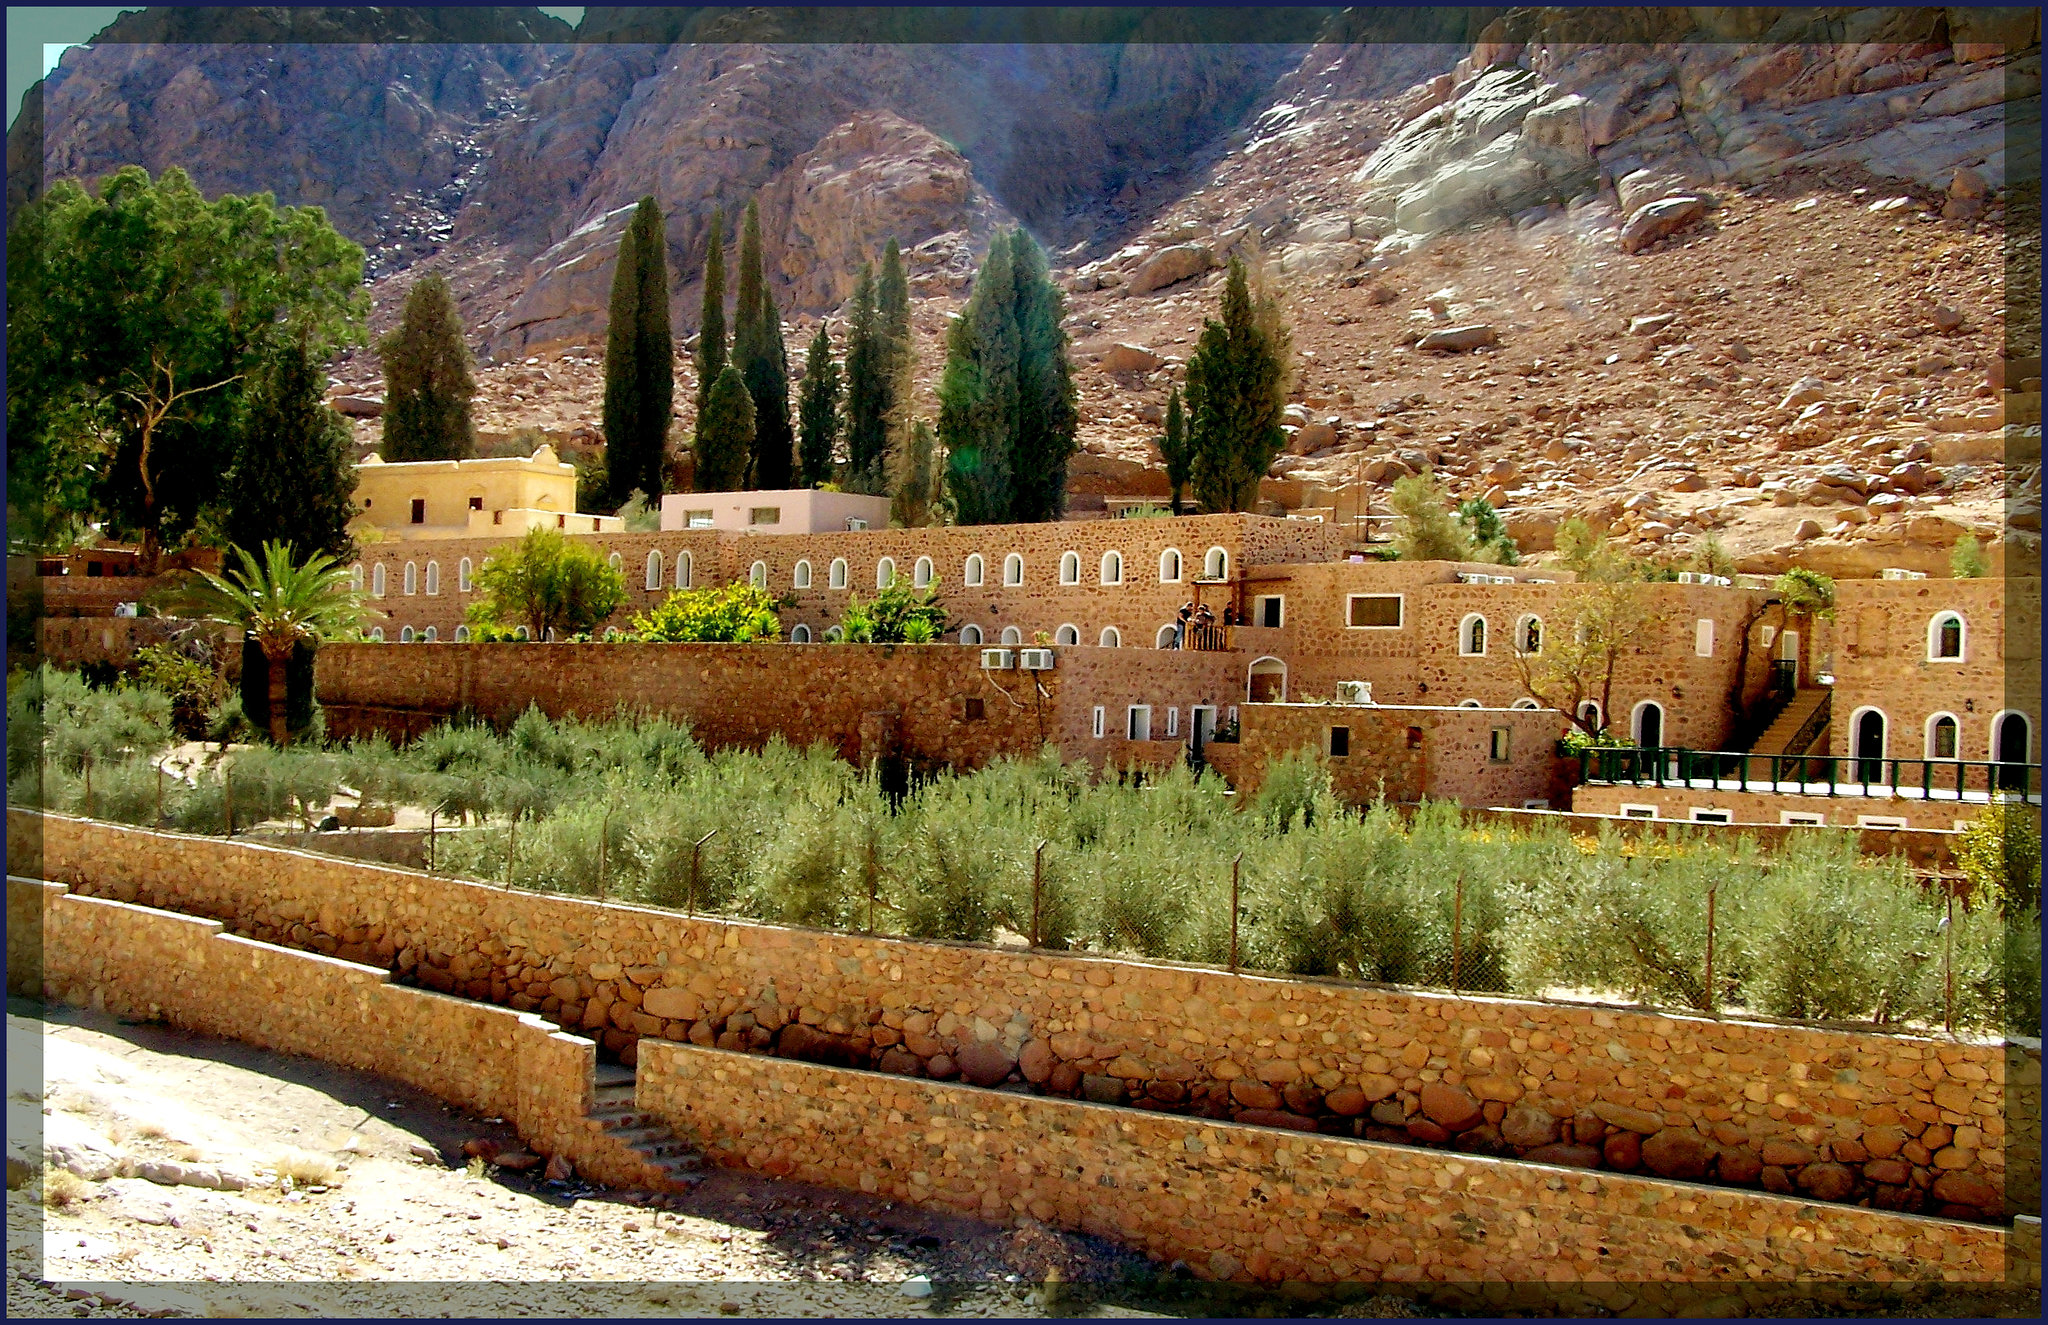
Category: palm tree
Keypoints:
(278, 604)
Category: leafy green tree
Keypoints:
(429, 378)
(710, 353)
(725, 434)
(1489, 537)
(867, 389)
(729, 614)
(1967, 561)
(282, 605)
(760, 354)
(1236, 391)
(637, 515)
(136, 315)
(818, 412)
(294, 478)
(897, 614)
(1424, 528)
(2000, 854)
(546, 583)
(1173, 448)
(639, 361)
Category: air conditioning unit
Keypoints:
(1354, 692)
(1692, 577)
(1900, 573)
(124, 609)
(1035, 660)
(998, 660)
(855, 523)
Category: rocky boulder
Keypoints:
(1129, 359)
(1661, 220)
(1170, 266)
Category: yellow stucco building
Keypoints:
(418, 499)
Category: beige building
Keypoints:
(789, 511)
(496, 498)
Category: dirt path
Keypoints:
(394, 1233)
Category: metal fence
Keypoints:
(1958, 780)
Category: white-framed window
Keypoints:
(412, 578)
(377, 633)
(1373, 611)
(430, 634)
(1013, 569)
(833, 634)
(686, 570)
(1012, 635)
(1536, 803)
(1169, 566)
(757, 575)
(1944, 737)
(835, 574)
(1529, 635)
(1945, 637)
(615, 561)
(885, 572)
(1497, 744)
(377, 580)
(1646, 724)
(610, 633)
(1101, 721)
(1703, 814)
(434, 577)
(921, 573)
(462, 634)
(1469, 704)
(1112, 568)
(2012, 737)
(970, 634)
(764, 515)
(1070, 568)
(1525, 703)
(1472, 636)
(1802, 819)
(1067, 634)
(355, 577)
(974, 572)
(699, 520)
(405, 634)
(1138, 722)
(1869, 743)
(801, 577)
(1703, 637)
(653, 580)
(1216, 564)
(522, 634)
(1166, 636)
(1590, 709)
(1269, 610)
(463, 572)
(1629, 811)
(800, 634)
(1173, 722)
(1879, 821)
(1112, 638)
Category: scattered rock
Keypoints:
(1130, 359)
(1945, 319)
(1805, 530)
(1661, 220)
(358, 407)
(1650, 325)
(559, 1169)
(1169, 266)
(518, 1161)
(1459, 339)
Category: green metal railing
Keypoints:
(1811, 775)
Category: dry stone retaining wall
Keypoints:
(1838, 1115)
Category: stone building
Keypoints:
(501, 497)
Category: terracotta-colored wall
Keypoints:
(1406, 754)
(1764, 807)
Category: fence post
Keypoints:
(1711, 890)
(1236, 865)
(227, 800)
(696, 848)
(1037, 880)
(511, 846)
(604, 831)
(1457, 928)
(433, 821)
(88, 786)
(871, 880)
(1948, 963)
(159, 793)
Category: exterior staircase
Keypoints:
(641, 1144)
(1803, 723)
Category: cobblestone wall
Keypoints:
(1764, 807)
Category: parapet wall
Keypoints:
(1676, 803)
(1899, 1121)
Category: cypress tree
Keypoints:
(867, 395)
(978, 399)
(294, 476)
(725, 434)
(428, 378)
(919, 480)
(1047, 418)
(892, 298)
(1173, 447)
(759, 353)
(892, 313)
(710, 355)
(1236, 392)
(639, 380)
(818, 412)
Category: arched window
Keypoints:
(1167, 635)
(462, 573)
(1945, 638)
(1646, 724)
(1469, 704)
(921, 573)
(1944, 736)
(1266, 682)
(522, 634)
(757, 575)
(2012, 745)
(433, 577)
(1070, 568)
(834, 634)
(355, 577)
(610, 633)
(1529, 635)
(377, 633)
(1169, 566)
(1012, 635)
(802, 577)
(377, 580)
(800, 634)
(970, 634)
(1216, 564)
(1589, 709)
(1867, 733)
(653, 569)
(1112, 568)
(686, 570)
(1112, 638)
(1013, 569)
(430, 634)
(462, 634)
(974, 572)
(1525, 703)
(835, 575)
(1472, 636)
(1067, 635)
(615, 561)
(412, 578)
(885, 572)
(405, 634)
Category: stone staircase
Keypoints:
(1793, 724)
(641, 1145)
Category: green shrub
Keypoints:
(730, 614)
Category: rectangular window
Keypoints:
(1638, 811)
(764, 515)
(1703, 639)
(975, 709)
(1536, 803)
(1139, 724)
(1879, 821)
(497, 517)
(1340, 742)
(697, 519)
(1101, 717)
(1269, 609)
(419, 510)
(1415, 738)
(476, 503)
(561, 522)
(1801, 817)
(1231, 715)
(1497, 745)
(1173, 722)
(1702, 815)
(1375, 611)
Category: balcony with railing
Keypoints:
(1951, 780)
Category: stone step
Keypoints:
(624, 1120)
(613, 1074)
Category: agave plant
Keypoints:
(279, 604)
